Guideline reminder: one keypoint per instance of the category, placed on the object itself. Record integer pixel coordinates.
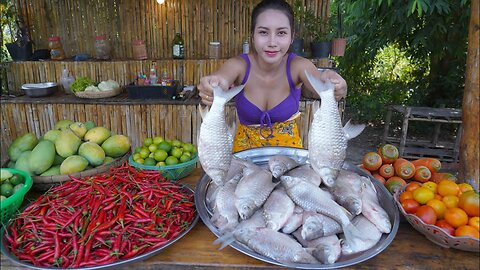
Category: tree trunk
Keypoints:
(469, 146)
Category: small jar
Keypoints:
(56, 48)
(102, 48)
(214, 50)
(139, 49)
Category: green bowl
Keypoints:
(10, 205)
(170, 172)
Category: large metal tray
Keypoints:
(260, 156)
(114, 265)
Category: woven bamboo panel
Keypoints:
(77, 22)
(138, 121)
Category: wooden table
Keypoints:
(409, 250)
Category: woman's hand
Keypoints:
(205, 88)
(338, 81)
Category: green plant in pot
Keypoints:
(339, 42)
(20, 48)
(317, 30)
(298, 40)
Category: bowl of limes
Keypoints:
(173, 158)
(14, 185)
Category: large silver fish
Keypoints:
(326, 249)
(278, 209)
(317, 225)
(225, 215)
(294, 221)
(372, 209)
(313, 198)
(253, 190)
(327, 140)
(306, 173)
(280, 164)
(368, 229)
(275, 245)
(215, 142)
(347, 191)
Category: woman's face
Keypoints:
(272, 35)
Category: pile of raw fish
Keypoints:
(292, 211)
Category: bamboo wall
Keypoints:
(77, 22)
(138, 121)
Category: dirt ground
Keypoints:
(367, 141)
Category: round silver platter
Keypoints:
(114, 265)
(260, 156)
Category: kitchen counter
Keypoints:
(409, 250)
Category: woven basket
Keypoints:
(101, 94)
(43, 183)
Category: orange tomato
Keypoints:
(450, 201)
(464, 187)
(438, 206)
(430, 185)
(447, 187)
(474, 222)
(427, 214)
(405, 195)
(470, 202)
(445, 226)
(438, 197)
(467, 230)
(456, 217)
(372, 161)
(410, 206)
(412, 186)
(423, 195)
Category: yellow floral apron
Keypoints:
(280, 134)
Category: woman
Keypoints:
(268, 105)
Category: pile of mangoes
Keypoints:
(68, 148)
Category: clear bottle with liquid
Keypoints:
(153, 74)
(178, 47)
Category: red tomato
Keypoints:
(470, 202)
(445, 226)
(410, 206)
(427, 214)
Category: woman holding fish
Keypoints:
(267, 107)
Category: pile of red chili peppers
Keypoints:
(101, 219)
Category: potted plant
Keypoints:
(299, 14)
(339, 43)
(20, 48)
(318, 32)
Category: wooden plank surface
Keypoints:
(409, 250)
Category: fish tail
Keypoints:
(351, 131)
(318, 85)
(224, 96)
(224, 240)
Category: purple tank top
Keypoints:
(250, 114)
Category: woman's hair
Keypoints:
(279, 5)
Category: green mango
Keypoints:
(52, 135)
(107, 160)
(79, 129)
(63, 124)
(116, 146)
(54, 170)
(97, 135)
(67, 143)
(23, 162)
(21, 144)
(42, 157)
(73, 164)
(92, 152)
(89, 124)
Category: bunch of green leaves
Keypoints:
(316, 28)
(81, 83)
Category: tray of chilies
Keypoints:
(282, 214)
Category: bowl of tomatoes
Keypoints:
(447, 213)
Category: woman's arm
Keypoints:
(229, 73)
(300, 65)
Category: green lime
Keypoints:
(17, 188)
(17, 179)
(144, 152)
(151, 154)
(187, 153)
(168, 140)
(177, 143)
(161, 163)
(140, 160)
(184, 158)
(152, 147)
(188, 147)
(147, 142)
(171, 160)
(136, 156)
(157, 140)
(150, 162)
(6, 189)
(165, 146)
(160, 155)
(176, 152)
(137, 150)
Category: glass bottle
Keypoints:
(139, 49)
(56, 48)
(102, 48)
(153, 74)
(178, 47)
(214, 50)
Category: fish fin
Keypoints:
(225, 96)
(203, 110)
(318, 85)
(351, 131)
(224, 240)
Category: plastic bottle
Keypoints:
(246, 46)
(66, 80)
(165, 78)
(102, 48)
(153, 74)
(178, 47)
(56, 48)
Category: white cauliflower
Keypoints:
(108, 85)
(92, 88)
